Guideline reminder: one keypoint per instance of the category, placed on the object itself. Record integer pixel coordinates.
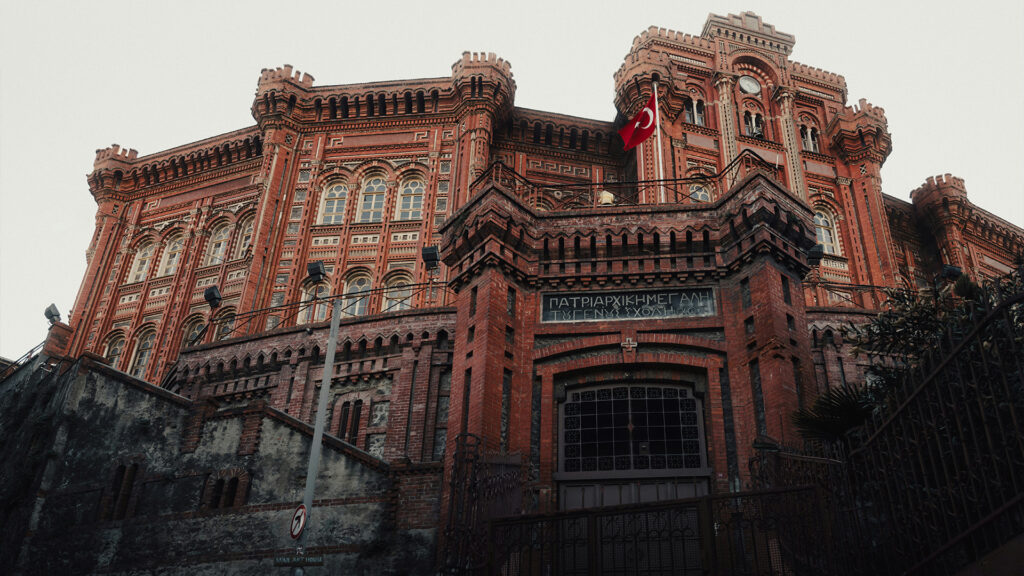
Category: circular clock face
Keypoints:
(749, 85)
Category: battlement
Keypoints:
(480, 59)
(866, 108)
(748, 26)
(115, 153)
(942, 184)
(818, 74)
(284, 73)
(655, 32)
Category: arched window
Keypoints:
(314, 299)
(753, 125)
(371, 208)
(397, 295)
(700, 193)
(694, 111)
(112, 351)
(140, 268)
(218, 246)
(411, 203)
(172, 254)
(244, 237)
(357, 289)
(190, 335)
(143, 350)
(225, 323)
(824, 228)
(333, 211)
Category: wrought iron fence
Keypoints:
(701, 188)
(935, 479)
(772, 533)
(482, 486)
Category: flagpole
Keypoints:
(657, 120)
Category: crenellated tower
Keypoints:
(860, 139)
(484, 91)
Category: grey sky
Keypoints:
(77, 76)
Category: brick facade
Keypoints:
(762, 159)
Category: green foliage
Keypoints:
(834, 413)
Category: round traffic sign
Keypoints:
(298, 521)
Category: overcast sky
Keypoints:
(77, 76)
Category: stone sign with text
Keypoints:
(632, 305)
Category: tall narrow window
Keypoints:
(172, 253)
(115, 345)
(411, 204)
(745, 292)
(506, 401)
(510, 302)
(693, 111)
(143, 256)
(225, 324)
(343, 423)
(398, 295)
(472, 301)
(755, 383)
(825, 231)
(787, 296)
(371, 209)
(357, 290)
(314, 300)
(143, 349)
(217, 248)
(357, 408)
(190, 335)
(244, 237)
(333, 211)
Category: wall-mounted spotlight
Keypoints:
(316, 271)
(815, 255)
(52, 314)
(213, 298)
(431, 257)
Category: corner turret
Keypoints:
(280, 92)
(860, 132)
(486, 79)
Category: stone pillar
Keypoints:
(784, 99)
(727, 119)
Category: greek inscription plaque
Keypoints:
(634, 305)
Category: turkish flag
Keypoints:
(640, 127)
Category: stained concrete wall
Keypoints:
(93, 516)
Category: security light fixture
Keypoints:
(316, 271)
(814, 255)
(213, 298)
(52, 314)
(430, 257)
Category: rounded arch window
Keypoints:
(225, 323)
(192, 332)
(315, 302)
(357, 291)
(143, 257)
(172, 255)
(335, 197)
(398, 294)
(244, 237)
(411, 203)
(217, 249)
(143, 352)
(113, 349)
(371, 205)
(700, 193)
(825, 231)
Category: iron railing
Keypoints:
(482, 487)
(13, 367)
(703, 188)
(774, 532)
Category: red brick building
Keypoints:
(628, 338)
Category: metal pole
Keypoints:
(321, 416)
(661, 166)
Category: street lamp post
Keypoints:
(321, 421)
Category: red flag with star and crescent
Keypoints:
(640, 127)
